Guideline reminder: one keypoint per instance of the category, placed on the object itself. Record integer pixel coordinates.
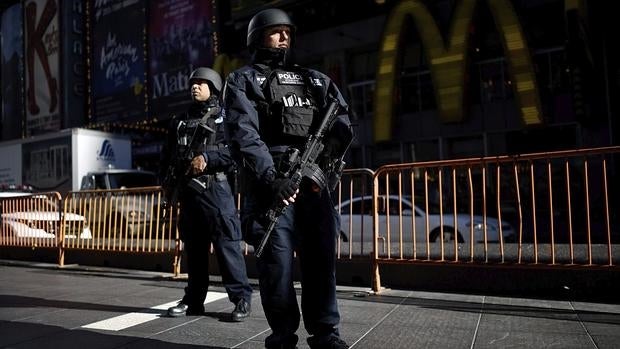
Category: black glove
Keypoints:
(283, 188)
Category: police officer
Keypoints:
(208, 213)
(272, 105)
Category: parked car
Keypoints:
(11, 190)
(126, 211)
(357, 215)
(40, 218)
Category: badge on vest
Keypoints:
(289, 78)
(292, 100)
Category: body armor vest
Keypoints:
(192, 133)
(290, 107)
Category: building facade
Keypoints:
(426, 80)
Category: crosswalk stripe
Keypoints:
(122, 322)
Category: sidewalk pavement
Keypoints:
(44, 306)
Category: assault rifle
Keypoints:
(191, 135)
(303, 165)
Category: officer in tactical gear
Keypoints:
(207, 209)
(272, 105)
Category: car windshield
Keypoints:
(132, 180)
(433, 207)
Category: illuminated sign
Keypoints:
(448, 61)
(224, 64)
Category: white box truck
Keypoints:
(58, 161)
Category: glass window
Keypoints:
(426, 92)
(495, 83)
(394, 206)
(360, 207)
(363, 66)
(553, 78)
(417, 92)
(361, 96)
(100, 182)
(132, 180)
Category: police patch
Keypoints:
(316, 82)
(289, 78)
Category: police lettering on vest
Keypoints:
(289, 78)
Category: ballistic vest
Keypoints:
(190, 128)
(288, 112)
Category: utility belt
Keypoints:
(203, 182)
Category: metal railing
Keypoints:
(32, 220)
(354, 243)
(127, 220)
(548, 209)
(123, 220)
(554, 209)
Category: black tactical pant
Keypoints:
(308, 227)
(212, 217)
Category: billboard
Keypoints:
(117, 69)
(181, 38)
(42, 66)
(247, 8)
(12, 65)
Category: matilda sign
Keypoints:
(447, 60)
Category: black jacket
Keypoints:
(242, 95)
(217, 154)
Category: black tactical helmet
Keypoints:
(210, 75)
(267, 18)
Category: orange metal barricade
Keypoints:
(352, 242)
(32, 220)
(551, 209)
(127, 220)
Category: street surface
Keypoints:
(43, 306)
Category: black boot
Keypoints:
(178, 310)
(329, 342)
(274, 341)
(183, 309)
(242, 310)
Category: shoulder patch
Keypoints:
(317, 82)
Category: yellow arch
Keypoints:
(448, 62)
(223, 64)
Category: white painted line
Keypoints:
(132, 319)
